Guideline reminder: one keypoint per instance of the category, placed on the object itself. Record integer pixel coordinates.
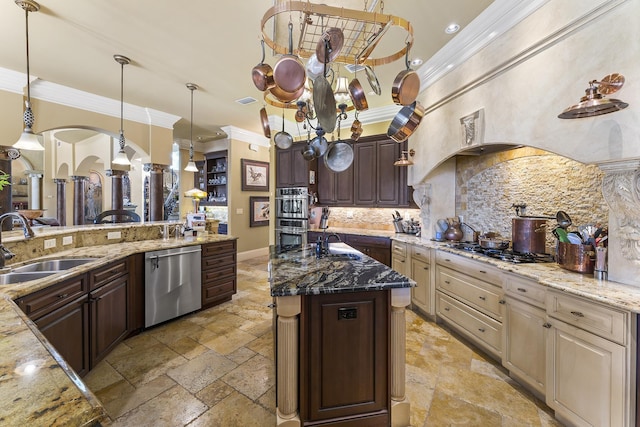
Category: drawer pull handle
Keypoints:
(426, 268)
(481, 330)
(482, 298)
(546, 325)
(577, 314)
(63, 295)
(447, 309)
(447, 259)
(502, 301)
(522, 289)
(483, 272)
(447, 282)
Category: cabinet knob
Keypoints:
(522, 289)
(546, 325)
(481, 330)
(577, 314)
(63, 296)
(502, 301)
(447, 309)
(483, 298)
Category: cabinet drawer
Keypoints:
(218, 290)
(218, 273)
(525, 290)
(480, 295)
(368, 241)
(39, 303)
(470, 267)
(483, 328)
(398, 249)
(107, 274)
(603, 321)
(218, 248)
(220, 261)
(423, 254)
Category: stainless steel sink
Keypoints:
(52, 265)
(10, 278)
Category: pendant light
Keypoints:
(191, 166)
(28, 140)
(121, 158)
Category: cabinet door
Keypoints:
(421, 293)
(284, 168)
(389, 177)
(339, 377)
(326, 185)
(300, 172)
(109, 317)
(586, 377)
(378, 248)
(525, 343)
(67, 329)
(399, 264)
(365, 173)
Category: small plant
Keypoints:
(4, 179)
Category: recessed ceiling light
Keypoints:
(449, 66)
(452, 28)
(493, 34)
(416, 62)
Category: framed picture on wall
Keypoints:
(255, 175)
(258, 211)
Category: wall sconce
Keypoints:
(404, 160)
(594, 103)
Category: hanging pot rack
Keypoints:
(318, 17)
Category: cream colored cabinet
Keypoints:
(399, 257)
(423, 294)
(590, 362)
(469, 298)
(525, 333)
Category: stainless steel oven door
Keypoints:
(292, 207)
(291, 237)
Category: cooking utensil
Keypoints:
(356, 128)
(319, 143)
(284, 96)
(373, 80)
(357, 93)
(324, 102)
(289, 74)
(563, 219)
(262, 74)
(405, 122)
(493, 242)
(339, 156)
(330, 44)
(574, 238)
(527, 235)
(561, 234)
(406, 85)
(265, 122)
(283, 139)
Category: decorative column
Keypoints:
(61, 200)
(288, 322)
(78, 198)
(35, 179)
(117, 188)
(400, 407)
(621, 191)
(156, 194)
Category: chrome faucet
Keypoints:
(326, 240)
(6, 254)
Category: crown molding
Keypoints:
(239, 134)
(13, 81)
(495, 20)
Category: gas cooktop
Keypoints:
(507, 255)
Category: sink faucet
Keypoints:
(326, 240)
(6, 254)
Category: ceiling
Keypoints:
(213, 44)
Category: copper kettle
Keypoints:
(454, 231)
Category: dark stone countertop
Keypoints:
(299, 272)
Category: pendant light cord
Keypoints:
(191, 128)
(121, 98)
(26, 14)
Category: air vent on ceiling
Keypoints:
(246, 100)
(352, 68)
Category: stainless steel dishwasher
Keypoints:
(172, 283)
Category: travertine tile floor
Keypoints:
(215, 368)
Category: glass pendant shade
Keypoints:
(121, 158)
(191, 166)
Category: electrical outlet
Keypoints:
(239, 211)
(114, 235)
(67, 240)
(49, 243)
(350, 214)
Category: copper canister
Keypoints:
(578, 258)
(528, 235)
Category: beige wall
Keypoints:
(249, 238)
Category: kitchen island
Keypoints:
(340, 338)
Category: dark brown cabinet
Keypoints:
(212, 178)
(344, 368)
(371, 181)
(378, 248)
(292, 170)
(218, 272)
(110, 301)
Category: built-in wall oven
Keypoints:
(292, 216)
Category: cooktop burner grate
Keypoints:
(507, 255)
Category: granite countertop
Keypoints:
(37, 387)
(359, 231)
(299, 272)
(614, 294)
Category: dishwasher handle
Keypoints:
(176, 254)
